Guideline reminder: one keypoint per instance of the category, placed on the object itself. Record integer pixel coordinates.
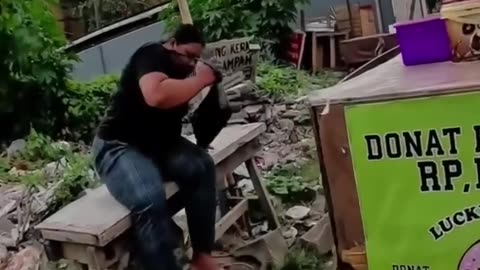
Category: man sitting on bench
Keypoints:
(139, 146)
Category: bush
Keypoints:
(34, 69)
(85, 105)
(269, 21)
(284, 81)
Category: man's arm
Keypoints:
(162, 92)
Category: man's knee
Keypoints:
(195, 168)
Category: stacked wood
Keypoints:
(343, 20)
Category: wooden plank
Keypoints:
(338, 178)
(232, 162)
(232, 137)
(367, 20)
(394, 80)
(229, 219)
(66, 236)
(382, 58)
(262, 194)
(331, 211)
(98, 218)
(184, 12)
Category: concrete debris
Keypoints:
(292, 232)
(286, 124)
(16, 147)
(6, 207)
(260, 229)
(246, 186)
(7, 240)
(292, 114)
(253, 110)
(297, 212)
(56, 168)
(3, 256)
(268, 160)
(290, 235)
(29, 258)
(270, 250)
(242, 171)
(319, 206)
(278, 109)
(62, 145)
(319, 237)
(180, 220)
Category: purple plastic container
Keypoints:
(424, 41)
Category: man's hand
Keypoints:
(205, 73)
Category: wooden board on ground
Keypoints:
(97, 218)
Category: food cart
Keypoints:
(399, 151)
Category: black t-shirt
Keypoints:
(129, 119)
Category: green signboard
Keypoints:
(417, 170)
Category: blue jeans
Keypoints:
(136, 181)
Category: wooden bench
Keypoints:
(92, 230)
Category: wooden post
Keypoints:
(185, 12)
(379, 16)
(97, 14)
(262, 194)
(349, 8)
(412, 10)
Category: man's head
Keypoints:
(187, 45)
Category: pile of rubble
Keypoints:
(289, 136)
(24, 204)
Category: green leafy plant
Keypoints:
(300, 259)
(77, 177)
(294, 184)
(285, 81)
(33, 69)
(85, 106)
(269, 21)
(40, 147)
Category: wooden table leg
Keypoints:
(333, 53)
(314, 54)
(262, 194)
